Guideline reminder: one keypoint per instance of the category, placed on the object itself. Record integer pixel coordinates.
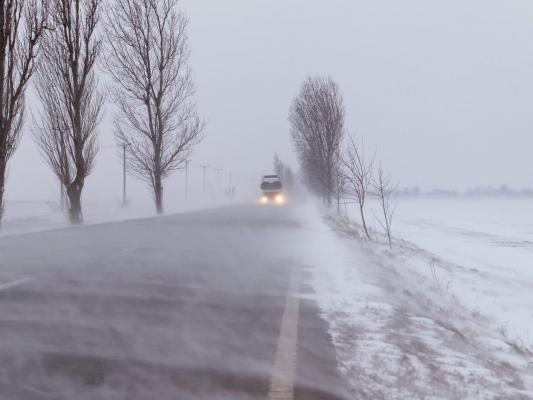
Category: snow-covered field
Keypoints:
(36, 216)
(488, 246)
(447, 314)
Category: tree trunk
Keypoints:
(74, 199)
(330, 190)
(158, 195)
(387, 219)
(364, 221)
(2, 183)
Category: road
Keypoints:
(206, 305)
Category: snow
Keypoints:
(22, 216)
(444, 315)
(485, 248)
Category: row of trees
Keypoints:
(317, 120)
(22, 25)
(285, 173)
(334, 166)
(145, 53)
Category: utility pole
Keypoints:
(124, 175)
(187, 178)
(230, 185)
(205, 169)
(219, 170)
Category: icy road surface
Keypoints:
(182, 307)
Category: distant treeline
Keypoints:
(480, 191)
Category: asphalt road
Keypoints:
(179, 307)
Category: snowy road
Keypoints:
(182, 307)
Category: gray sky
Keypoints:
(443, 90)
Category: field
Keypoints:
(490, 243)
(446, 314)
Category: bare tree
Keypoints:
(285, 172)
(340, 189)
(358, 171)
(148, 57)
(387, 194)
(72, 105)
(317, 122)
(279, 166)
(22, 24)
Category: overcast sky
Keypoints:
(442, 90)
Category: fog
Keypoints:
(442, 90)
(288, 296)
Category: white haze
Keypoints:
(442, 90)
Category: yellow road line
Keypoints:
(284, 369)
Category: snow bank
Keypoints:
(400, 331)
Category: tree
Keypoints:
(358, 172)
(387, 194)
(285, 173)
(289, 179)
(147, 57)
(68, 89)
(317, 128)
(340, 183)
(22, 24)
(279, 166)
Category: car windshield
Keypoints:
(277, 200)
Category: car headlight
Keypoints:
(280, 199)
(264, 199)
